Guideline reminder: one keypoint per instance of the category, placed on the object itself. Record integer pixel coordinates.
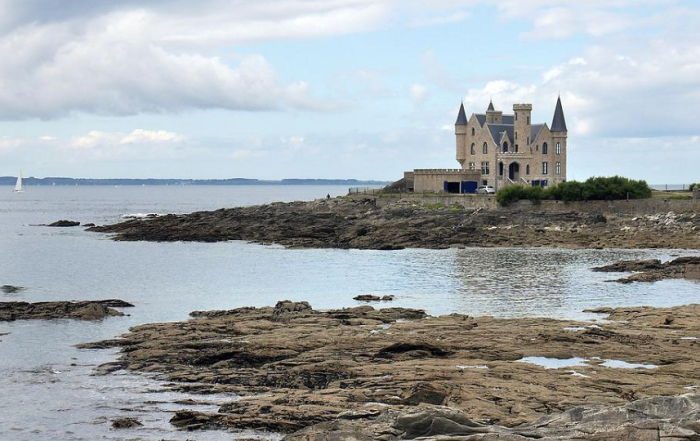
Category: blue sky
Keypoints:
(339, 88)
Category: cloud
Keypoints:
(113, 66)
(8, 144)
(454, 17)
(558, 19)
(419, 93)
(141, 135)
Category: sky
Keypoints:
(362, 89)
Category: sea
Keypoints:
(47, 387)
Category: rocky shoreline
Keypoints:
(82, 310)
(359, 223)
(653, 270)
(362, 370)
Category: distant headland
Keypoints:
(31, 181)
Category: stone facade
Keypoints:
(444, 180)
(510, 149)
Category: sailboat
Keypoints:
(19, 186)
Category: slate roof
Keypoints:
(496, 130)
(535, 130)
(461, 117)
(490, 106)
(558, 122)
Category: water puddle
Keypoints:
(619, 364)
(554, 363)
(558, 363)
(462, 367)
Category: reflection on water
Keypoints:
(510, 282)
(45, 384)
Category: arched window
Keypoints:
(558, 148)
(473, 131)
(505, 146)
(544, 148)
(473, 149)
(485, 149)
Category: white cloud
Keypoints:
(419, 93)
(113, 65)
(8, 144)
(141, 135)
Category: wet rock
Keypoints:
(64, 223)
(654, 270)
(84, 310)
(651, 419)
(351, 369)
(630, 265)
(347, 223)
(193, 420)
(373, 298)
(126, 423)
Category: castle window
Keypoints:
(485, 168)
(528, 121)
(557, 168)
(472, 166)
(485, 149)
(545, 168)
(528, 141)
(473, 131)
(558, 148)
(473, 149)
(516, 148)
(544, 148)
(527, 169)
(505, 146)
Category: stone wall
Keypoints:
(433, 180)
(476, 201)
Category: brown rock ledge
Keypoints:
(347, 223)
(294, 367)
(84, 310)
(653, 270)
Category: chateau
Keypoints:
(498, 150)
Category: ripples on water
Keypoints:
(46, 391)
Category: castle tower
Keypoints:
(522, 127)
(461, 135)
(559, 135)
(493, 116)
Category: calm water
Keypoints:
(46, 391)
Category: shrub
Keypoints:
(512, 193)
(616, 187)
(596, 188)
(693, 186)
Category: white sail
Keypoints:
(19, 186)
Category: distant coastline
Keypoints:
(50, 181)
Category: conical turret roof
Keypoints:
(461, 117)
(558, 122)
(490, 106)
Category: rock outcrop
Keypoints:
(653, 270)
(64, 223)
(651, 419)
(294, 367)
(84, 310)
(347, 223)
